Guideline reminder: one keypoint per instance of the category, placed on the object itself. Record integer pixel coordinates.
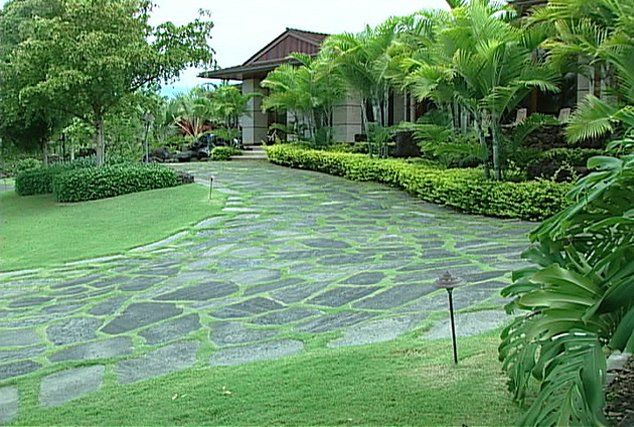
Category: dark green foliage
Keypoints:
(463, 189)
(23, 165)
(224, 153)
(40, 180)
(111, 181)
(577, 303)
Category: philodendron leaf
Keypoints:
(623, 338)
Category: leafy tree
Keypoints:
(87, 60)
(24, 125)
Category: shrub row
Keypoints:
(224, 153)
(462, 189)
(111, 181)
(40, 180)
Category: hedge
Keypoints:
(111, 181)
(224, 153)
(462, 189)
(40, 180)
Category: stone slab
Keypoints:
(202, 292)
(171, 358)
(18, 338)
(113, 347)
(73, 330)
(108, 307)
(395, 296)
(9, 401)
(17, 369)
(332, 322)
(62, 387)
(286, 317)
(232, 333)
(250, 307)
(254, 353)
(342, 295)
(469, 324)
(374, 332)
(365, 278)
(171, 329)
(139, 315)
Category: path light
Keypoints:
(211, 186)
(449, 282)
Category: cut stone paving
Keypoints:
(323, 256)
(62, 387)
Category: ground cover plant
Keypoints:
(33, 229)
(464, 189)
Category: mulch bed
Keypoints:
(620, 396)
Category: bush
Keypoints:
(111, 181)
(40, 180)
(224, 153)
(25, 165)
(562, 164)
(463, 189)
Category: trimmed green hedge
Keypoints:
(40, 180)
(111, 181)
(220, 154)
(463, 189)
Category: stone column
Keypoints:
(346, 121)
(255, 123)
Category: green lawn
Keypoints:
(37, 231)
(406, 382)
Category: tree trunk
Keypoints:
(364, 118)
(100, 142)
(45, 152)
(497, 167)
(483, 144)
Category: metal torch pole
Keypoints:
(453, 327)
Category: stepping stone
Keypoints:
(79, 281)
(18, 338)
(141, 314)
(298, 293)
(340, 296)
(62, 308)
(254, 277)
(273, 286)
(232, 333)
(250, 307)
(107, 282)
(171, 330)
(374, 332)
(171, 358)
(72, 331)
(366, 278)
(21, 354)
(332, 322)
(258, 352)
(395, 296)
(286, 316)
(108, 307)
(326, 244)
(9, 400)
(17, 369)
(202, 292)
(113, 347)
(139, 284)
(30, 302)
(62, 387)
(469, 324)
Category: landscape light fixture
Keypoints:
(449, 282)
(211, 186)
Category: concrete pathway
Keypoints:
(295, 255)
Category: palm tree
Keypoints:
(361, 60)
(597, 36)
(229, 104)
(486, 64)
(306, 90)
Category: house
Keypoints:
(347, 121)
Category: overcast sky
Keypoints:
(242, 27)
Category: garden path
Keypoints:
(297, 260)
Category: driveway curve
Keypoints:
(295, 255)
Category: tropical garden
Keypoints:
(83, 128)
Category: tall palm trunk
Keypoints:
(478, 125)
(100, 142)
(495, 135)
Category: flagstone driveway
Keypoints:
(295, 254)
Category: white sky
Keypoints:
(242, 27)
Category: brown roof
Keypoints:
(272, 55)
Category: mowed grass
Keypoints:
(36, 231)
(406, 382)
